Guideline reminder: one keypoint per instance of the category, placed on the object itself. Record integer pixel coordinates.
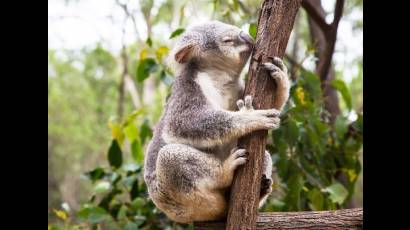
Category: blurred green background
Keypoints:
(107, 83)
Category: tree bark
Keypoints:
(275, 24)
(322, 220)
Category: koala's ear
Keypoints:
(184, 53)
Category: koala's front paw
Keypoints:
(236, 158)
(278, 71)
(266, 118)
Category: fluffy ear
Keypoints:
(184, 53)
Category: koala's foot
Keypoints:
(236, 158)
(266, 189)
(268, 118)
(266, 186)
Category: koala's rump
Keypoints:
(196, 205)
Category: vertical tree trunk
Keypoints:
(295, 47)
(121, 85)
(319, 41)
(274, 27)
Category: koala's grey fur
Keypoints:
(191, 159)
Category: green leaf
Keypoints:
(293, 196)
(133, 116)
(338, 193)
(92, 214)
(316, 199)
(115, 154)
(116, 130)
(341, 126)
(312, 84)
(161, 52)
(131, 132)
(252, 30)
(122, 212)
(291, 132)
(344, 91)
(177, 32)
(358, 124)
(106, 200)
(114, 178)
(352, 146)
(137, 203)
(131, 226)
(96, 174)
(102, 186)
(136, 151)
(134, 190)
(149, 42)
(132, 167)
(145, 67)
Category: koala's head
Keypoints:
(212, 45)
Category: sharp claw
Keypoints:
(248, 102)
(240, 104)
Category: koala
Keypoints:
(191, 159)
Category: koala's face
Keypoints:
(225, 41)
(216, 44)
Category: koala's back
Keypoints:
(185, 99)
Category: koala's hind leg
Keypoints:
(267, 181)
(191, 183)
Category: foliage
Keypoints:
(311, 154)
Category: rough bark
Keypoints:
(322, 220)
(275, 24)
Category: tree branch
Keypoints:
(331, 36)
(315, 15)
(275, 24)
(324, 220)
(338, 13)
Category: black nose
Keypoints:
(246, 37)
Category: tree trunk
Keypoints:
(323, 220)
(319, 42)
(121, 85)
(275, 24)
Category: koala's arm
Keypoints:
(208, 128)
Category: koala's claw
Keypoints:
(240, 104)
(277, 69)
(247, 105)
(248, 102)
(272, 123)
(278, 62)
(237, 157)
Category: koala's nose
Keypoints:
(246, 37)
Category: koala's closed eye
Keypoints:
(227, 39)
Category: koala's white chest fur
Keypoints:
(220, 89)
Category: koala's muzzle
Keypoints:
(246, 38)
